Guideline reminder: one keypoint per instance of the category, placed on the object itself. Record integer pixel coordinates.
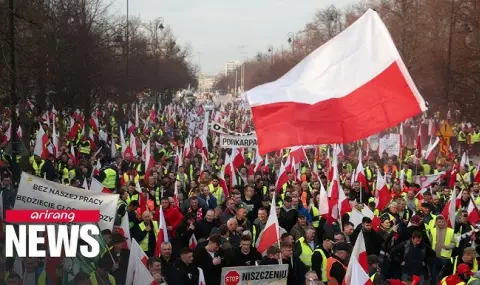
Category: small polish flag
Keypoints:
(192, 243)
(271, 233)
(162, 235)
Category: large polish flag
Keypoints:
(271, 233)
(359, 73)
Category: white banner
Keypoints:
(35, 193)
(229, 141)
(255, 275)
(221, 129)
(426, 180)
(390, 144)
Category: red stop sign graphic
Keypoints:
(232, 278)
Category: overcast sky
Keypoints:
(224, 30)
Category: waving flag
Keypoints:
(271, 233)
(136, 254)
(162, 235)
(358, 263)
(327, 84)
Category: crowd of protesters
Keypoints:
(408, 239)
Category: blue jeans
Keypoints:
(436, 266)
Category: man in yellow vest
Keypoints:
(320, 256)
(304, 247)
(84, 147)
(442, 241)
(109, 178)
(468, 257)
(37, 166)
(145, 233)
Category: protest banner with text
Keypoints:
(35, 193)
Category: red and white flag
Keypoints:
(358, 262)
(359, 275)
(472, 211)
(162, 235)
(136, 254)
(125, 226)
(382, 193)
(40, 144)
(449, 210)
(359, 173)
(323, 207)
(142, 275)
(192, 243)
(271, 233)
(282, 175)
(327, 85)
(418, 142)
(97, 187)
(429, 155)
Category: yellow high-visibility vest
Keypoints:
(144, 243)
(110, 178)
(448, 241)
(307, 252)
(37, 167)
(315, 213)
(324, 277)
(455, 262)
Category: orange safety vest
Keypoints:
(330, 262)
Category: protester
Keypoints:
(196, 208)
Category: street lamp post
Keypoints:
(291, 40)
(13, 92)
(158, 26)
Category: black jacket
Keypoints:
(241, 259)
(139, 235)
(412, 258)
(186, 274)
(212, 273)
(49, 170)
(296, 271)
(168, 269)
(288, 218)
(184, 233)
(373, 240)
(268, 261)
